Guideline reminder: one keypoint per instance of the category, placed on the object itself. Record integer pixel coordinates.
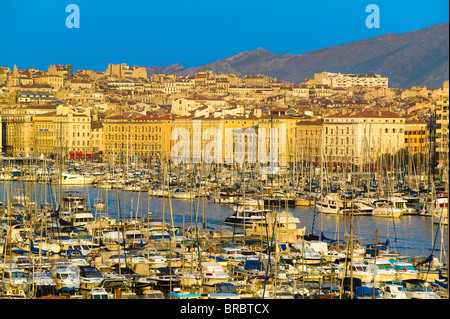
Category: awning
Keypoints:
(79, 154)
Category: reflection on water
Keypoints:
(410, 235)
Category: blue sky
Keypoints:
(192, 32)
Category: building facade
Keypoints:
(362, 137)
(442, 132)
(340, 80)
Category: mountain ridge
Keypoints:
(418, 57)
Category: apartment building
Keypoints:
(361, 137)
(122, 71)
(442, 133)
(309, 140)
(18, 128)
(283, 123)
(45, 133)
(54, 80)
(416, 137)
(339, 80)
(137, 136)
(72, 125)
(184, 106)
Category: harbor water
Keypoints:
(410, 235)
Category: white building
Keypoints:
(348, 80)
(362, 137)
(184, 106)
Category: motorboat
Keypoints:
(213, 273)
(188, 277)
(69, 179)
(98, 293)
(152, 294)
(165, 279)
(76, 257)
(393, 291)
(330, 204)
(15, 278)
(401, 203)
(82, 219)
(405, 270)
(387, 211)
(180, 194)
(367, 292)
(382, 270)
(67, 279)
(90, 277)
(359, 270)
(419, 289)
(282, 226)
(117, 288)
(245, 215)
(43, 283)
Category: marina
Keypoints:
(142, 235)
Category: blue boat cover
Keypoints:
(365, 291)
(442, 284)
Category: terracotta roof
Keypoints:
(46, 114)
(276, 116)
(366, 114)
(316, 122)
(203, 98)
(280, 109)
(156, 117)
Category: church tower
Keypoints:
(13, 79)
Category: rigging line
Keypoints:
(387, 185)
(314, 218)
(270, 251)
(434, 244)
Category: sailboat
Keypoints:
(438, 209)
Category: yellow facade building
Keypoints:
(416, 137)
(72, 127)
(45, 133)
(309, 140)
(19, 128)
(97, 137)
(213, 139)
(283, 122)
(136, 136)
(54, 80)
(442, 132)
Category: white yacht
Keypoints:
(388, 211)
(67, 279)
(330, 204)
(76, 179)
(246, 215)
(213, 273)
